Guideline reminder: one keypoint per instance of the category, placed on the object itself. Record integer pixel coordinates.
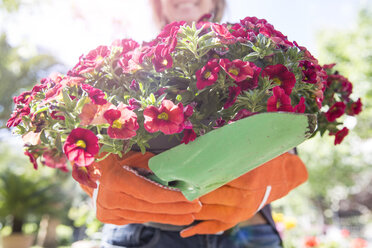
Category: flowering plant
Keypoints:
(188, 81)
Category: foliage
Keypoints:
(23, 197)
(18, 72)
(352, 50)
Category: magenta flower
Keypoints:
(208, 74)
(81, 146)
(168, 118)
(237, 69)
(123, 122)
(279, 101)
(281, 76)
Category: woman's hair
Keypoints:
(160, 20)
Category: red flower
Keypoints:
(96, 95)
(341, 85)
(127, 45)
(309, 71)
(250, 83)
(54, 160)
(237, 69)
(81, 146)
(93, 60)
(32, 158)
(233, 94)
(311, 242)
(337, 110)
(123, 122)
(162, 59)
(134, 85)
(279, 101)
(24, 98)
(281, 76)
(92, 114)
(359, 243)
(188, 136)
(86, 175)
(168, 118)
(208, 74)
(55, 115)
(16, 116)
(134, 104)
(243, 113)
(223, 33)
(354, 108)
(300, 107)
(340, 135)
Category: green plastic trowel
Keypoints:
(224, 154)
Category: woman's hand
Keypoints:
(240, 199)
(125, 196)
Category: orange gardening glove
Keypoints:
(240, 199)
(124, 196)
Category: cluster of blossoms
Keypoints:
(188, 81)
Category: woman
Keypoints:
(259, 231)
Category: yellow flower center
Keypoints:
(81, 143)
(234, 71)
(207, 74)
(116, 124)
(165, 62)
(163, 116)
(99, 58)
(277, 81)
(278, 104)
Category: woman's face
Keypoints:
(186, 10)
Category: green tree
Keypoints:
(18, 73)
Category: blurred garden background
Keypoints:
(37, 37)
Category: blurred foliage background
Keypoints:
(334, 205)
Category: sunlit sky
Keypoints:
(71, 27)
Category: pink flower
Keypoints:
(281, 76)
(237, 69)
(96, 95)
(169, 118)
(208, 74)
(279, 101)
(336, 111)
(123, 122)
(81, 146)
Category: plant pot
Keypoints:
(226, 153)
(18, 241)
